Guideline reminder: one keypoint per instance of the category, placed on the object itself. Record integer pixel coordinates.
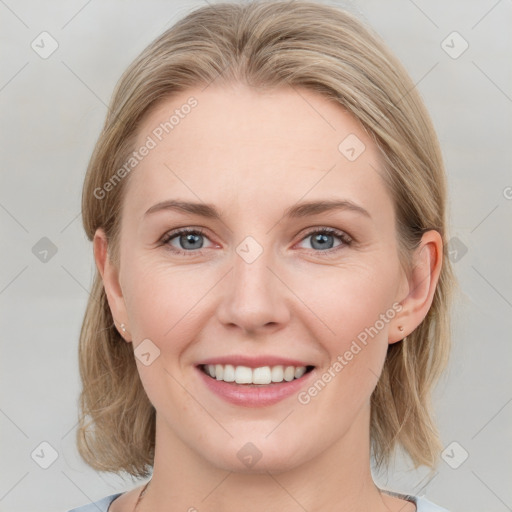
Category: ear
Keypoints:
(420, 286)
(110, 276)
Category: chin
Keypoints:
(257, 458)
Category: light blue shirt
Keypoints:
(422, 504)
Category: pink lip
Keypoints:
(255, 395)
(254, 362)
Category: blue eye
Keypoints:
(190, 240)
(321, 239)
(186, 236)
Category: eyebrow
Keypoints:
(300, 210)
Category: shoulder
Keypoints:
(424, 505)
(102, 505)
(98, 506)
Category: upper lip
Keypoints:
(254, 362)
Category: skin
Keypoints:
(253, 154)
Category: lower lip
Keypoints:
(254, 396)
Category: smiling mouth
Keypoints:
(261, 376)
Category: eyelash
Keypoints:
(347, 240)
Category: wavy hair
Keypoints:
(269, 44)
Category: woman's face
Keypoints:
(258, 282)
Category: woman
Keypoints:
(267, 205)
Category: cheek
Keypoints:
(161, 306)
(152, 296)
(356, 307)
(338, 304)
(350, 300)
(163, 303)
(355, 314)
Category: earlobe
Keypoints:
(422, 284)
(110, 276)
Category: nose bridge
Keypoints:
(254, 296)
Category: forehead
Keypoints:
(238, 144)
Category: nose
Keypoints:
(255, 298)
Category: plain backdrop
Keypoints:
(52, 109)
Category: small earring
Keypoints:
(123, 328)
(400, 328)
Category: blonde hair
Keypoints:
(271, 44)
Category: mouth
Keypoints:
(255, 377)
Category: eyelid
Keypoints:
(174, 233)
(345, 238)
(326, 229)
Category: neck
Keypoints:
(339, 478)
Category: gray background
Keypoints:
(52, 110)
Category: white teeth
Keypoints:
(277, 374)
(229, 373)
(243, 375)
(289, 373)
(260, 375)
(300, 371)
